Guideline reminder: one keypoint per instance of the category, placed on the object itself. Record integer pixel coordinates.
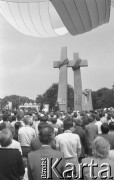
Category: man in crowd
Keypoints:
(45, 157)
(98, 123)
(25, 135)
(69, 143)
(14, 144)
(20, 116)
(91, 131)
(107, 135)
(35, 143)
(83, 137)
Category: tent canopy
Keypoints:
(44, 18)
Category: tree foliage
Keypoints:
(16, 100)
(50, 97)
(103, 98)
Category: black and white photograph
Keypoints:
(56, 89)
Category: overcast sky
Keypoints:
(26, 63)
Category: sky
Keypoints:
(26, 63)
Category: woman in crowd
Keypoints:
(99, 166)
(11, 163)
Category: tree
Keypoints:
(16, 101)
(50, 97)
(39, 100)
(103, 98)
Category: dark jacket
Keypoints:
(40, 164)
(11, 164)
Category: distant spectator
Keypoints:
(20, 117)
(100, 156)
(98, 123)
(91, 131)
(14, 118)
(107, 135)
(14, 144)
(46, 136)
(17, 126)
(54, 124)
(2, 126)
(25, 135)
(85, 120)
(111, 127)
(83, 137)
(5, 117)
(103, 118)
(11, 164)
(59, 120)
(104, 128)
(69, 143)
(35, 143)
(5, 120)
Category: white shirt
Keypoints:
(59, 122)
(111, 120)
(103, 120)
(99, 123)
(25, 135)
(35, 126)
(68, 143)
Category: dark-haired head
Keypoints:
(14, 118)
(5, 117)
(46, 135)
(53, 120)
(97, 118)
(44, 118)
(111, 126)
(67, 124)
(2, 126)
(17, 125)
(15, 113)
(75, 115)
(105, 128)
(102, 114)
(42, 125)
(109, 117)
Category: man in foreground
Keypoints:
(45, 162)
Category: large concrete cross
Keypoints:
(62, 88)
(76, 64)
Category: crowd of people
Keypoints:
(39, 145)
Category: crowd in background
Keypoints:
(27, 136)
